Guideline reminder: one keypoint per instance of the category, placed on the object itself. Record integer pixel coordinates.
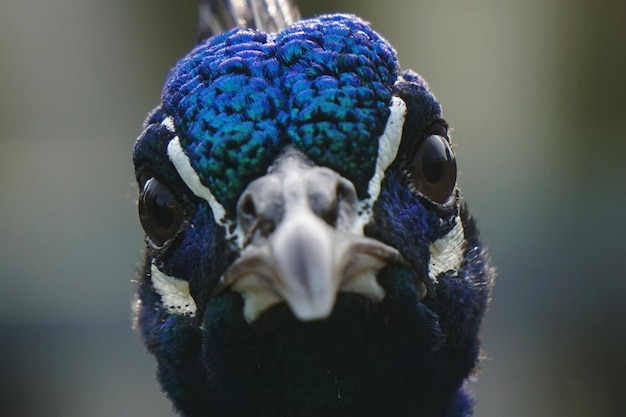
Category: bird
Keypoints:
(308, 250)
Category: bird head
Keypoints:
(308, 249)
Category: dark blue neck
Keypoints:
(366, 361)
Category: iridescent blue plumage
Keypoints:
(322, 85)
(308, 250)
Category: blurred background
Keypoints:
(536, 94)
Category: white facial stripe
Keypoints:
(174, 293)
(446, 253)
(186, 172)
(388, 145)
(168, 122)
(189, 176)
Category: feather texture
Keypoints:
(308, 250)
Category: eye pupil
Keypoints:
(433, 170)
(160, 214)
(163, 210)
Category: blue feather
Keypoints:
(306, 151)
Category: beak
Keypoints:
(300, 248)
(308, 272)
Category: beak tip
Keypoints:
(312, 309)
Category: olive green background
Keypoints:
(534, 90)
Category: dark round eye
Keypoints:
(160, 214)
(433, 170)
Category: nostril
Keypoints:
(247, 207)
(247, 212)
(330, 213)
(344, 193)
(257, 216)
(339, 203)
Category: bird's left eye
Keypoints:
(160, 214)
(433, 169)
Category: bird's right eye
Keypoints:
(160, 214)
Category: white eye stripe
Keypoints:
(174, 292)
(168, 122)
(189, 176)
(388, 145)
(447, 253)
